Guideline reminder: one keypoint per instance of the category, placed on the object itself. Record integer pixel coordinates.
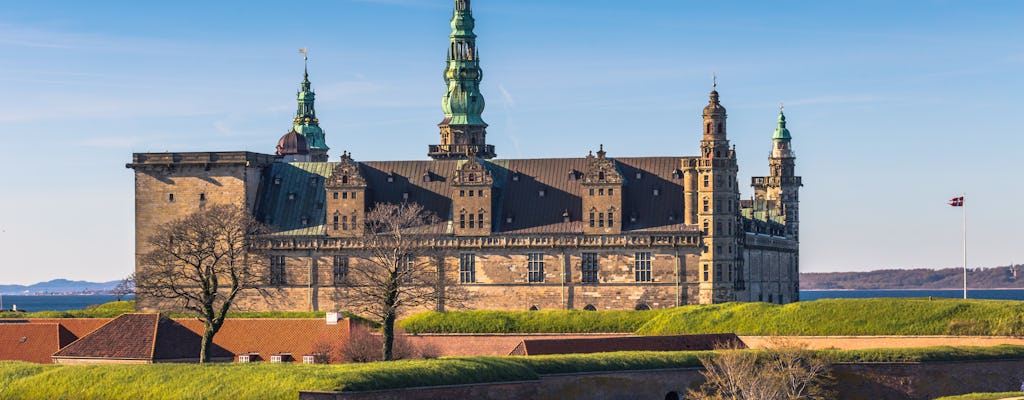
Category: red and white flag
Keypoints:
(957, 201)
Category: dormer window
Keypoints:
(541, 192)
(291, 196)
(405, 196)
(677, 174)
(312, 181)
(639, 175)
(656, 191)
(305, 220)
(632, 217)
(508, 219)
(565, 216)
(515, 176)
(277, 181)
(391, 177)
(426, 177)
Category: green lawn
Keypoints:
(283, 381)
(819, 317)
(983, 396)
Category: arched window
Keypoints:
(590, 307)
(534, 308)
(642, 307)
(344, 179)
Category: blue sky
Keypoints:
(894, 106)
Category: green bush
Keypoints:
(552, 321)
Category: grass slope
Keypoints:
(548, 321)
(283, 381)
(984, 396)
(846, 317)
(820, 317)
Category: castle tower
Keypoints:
(463, 130)
(720, 268)
(783, 184)
(306, 123)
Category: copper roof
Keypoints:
(292, 143)
(293, 193)
(533, 347)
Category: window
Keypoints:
(589, 267)
(535, 267)
(600, 192)
(471, 193)
(600, 220)
(480, 193)
(541, 193)
(335, 222)
(462, 220)
(611, 192)
(202, 197)
(591, 219)
(170, 197)
(591, 191)
(277, 274)
(344, 223)
(657, 191)
(707, 205)
(462, 193)
(706, 227)
(611, 219)
(705, 272)
(340, 270)
(480, 218)
(718, 272)
(471, 224)
(354, 194)
(335, 195)
(642, 266)
(344, 195)
(467, 268)
(707, 180)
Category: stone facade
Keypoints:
(595, 232)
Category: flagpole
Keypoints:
(963, 196)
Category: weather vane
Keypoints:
(714, 80)
(305, 54)
(781, 107)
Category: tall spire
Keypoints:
(463, 128)
(305, 121)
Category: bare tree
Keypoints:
(125, 287)
(398, 267)
(782, 371)
(201, 262)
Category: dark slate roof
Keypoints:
(534, 347)
(293, 192)
(150, 337)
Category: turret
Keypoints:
(781, 188)
(463, 130)
(472, 198)
(346, 199)
(720, 265)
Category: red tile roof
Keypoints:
(268, 336)
(150, 337)
(31, 342)
(532, 347)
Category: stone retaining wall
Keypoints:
(868, 381)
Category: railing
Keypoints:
(461, 150)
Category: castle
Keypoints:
(587, 232)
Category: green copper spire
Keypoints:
(306, 123)
(463, 130)
(781, 138)
(781, 133)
